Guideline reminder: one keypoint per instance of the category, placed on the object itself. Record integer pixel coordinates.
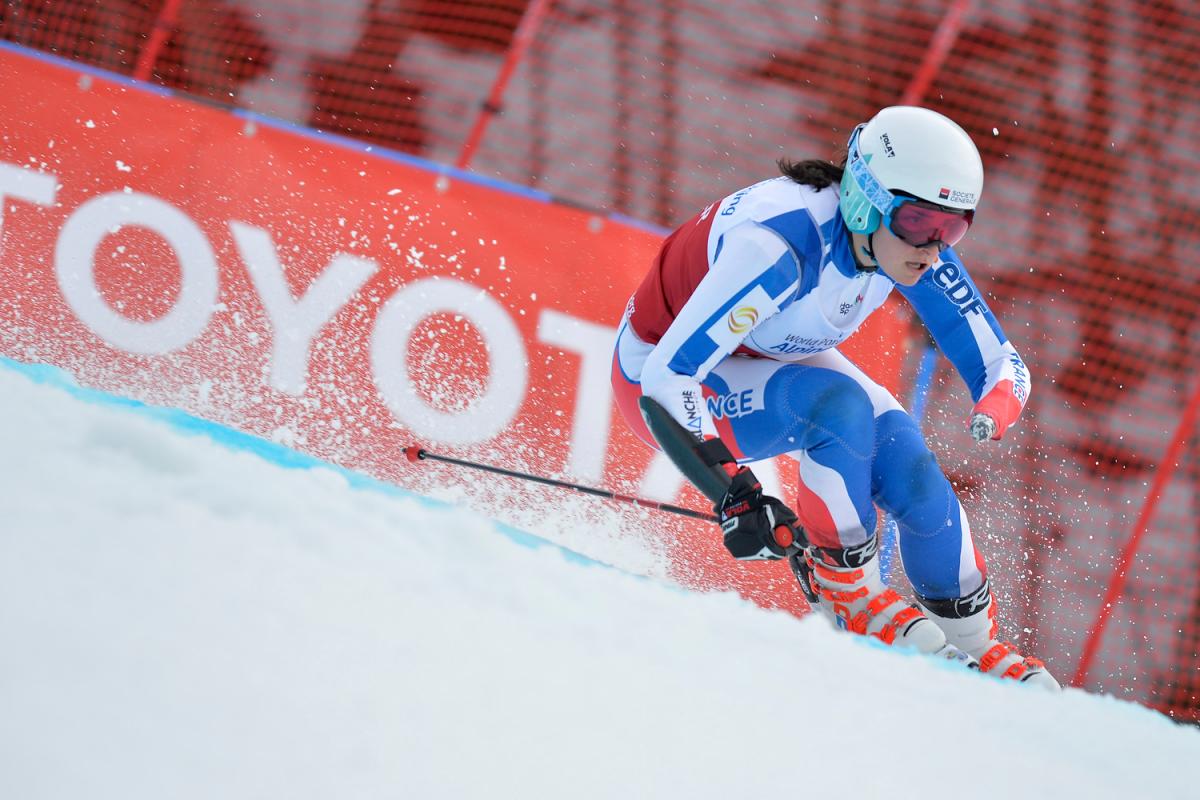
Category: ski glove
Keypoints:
(995, 412)
(756, 527)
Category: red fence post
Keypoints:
(935, 55)
(168, 15)
(1116, 586)
(527, 28)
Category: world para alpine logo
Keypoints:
(742, 319)
(731, 325)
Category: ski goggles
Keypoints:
(921, 223)
(916, 222)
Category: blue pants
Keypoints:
(857, 448)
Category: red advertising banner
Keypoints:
(344, 301)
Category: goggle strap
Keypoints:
(875, 191)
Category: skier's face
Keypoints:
(899, 260)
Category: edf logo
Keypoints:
(731, 405)
(953, 283)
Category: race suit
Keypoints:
(735, 332)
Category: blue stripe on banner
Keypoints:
(268, 451)
(346, 143)
(333, 139)
(640, 224)
(88, 69)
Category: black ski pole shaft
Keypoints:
(415, 454)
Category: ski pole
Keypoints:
(416, 453)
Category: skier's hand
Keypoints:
(982, 427)
(995, 412)
(756, 527)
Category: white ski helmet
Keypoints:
(907, 150)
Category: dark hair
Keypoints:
(815, 172)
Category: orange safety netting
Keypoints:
(1088, 118)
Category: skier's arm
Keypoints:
(966, 331)
(754, 275)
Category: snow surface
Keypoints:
(189, 613)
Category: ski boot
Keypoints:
(844, 586)
(969, 624)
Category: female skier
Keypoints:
(734, 332)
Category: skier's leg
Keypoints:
(936, 547)
(822, 419)
(855, 444)
(946, 571)
(825, 420)
(970, 625)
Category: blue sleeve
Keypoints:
(965, 329)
